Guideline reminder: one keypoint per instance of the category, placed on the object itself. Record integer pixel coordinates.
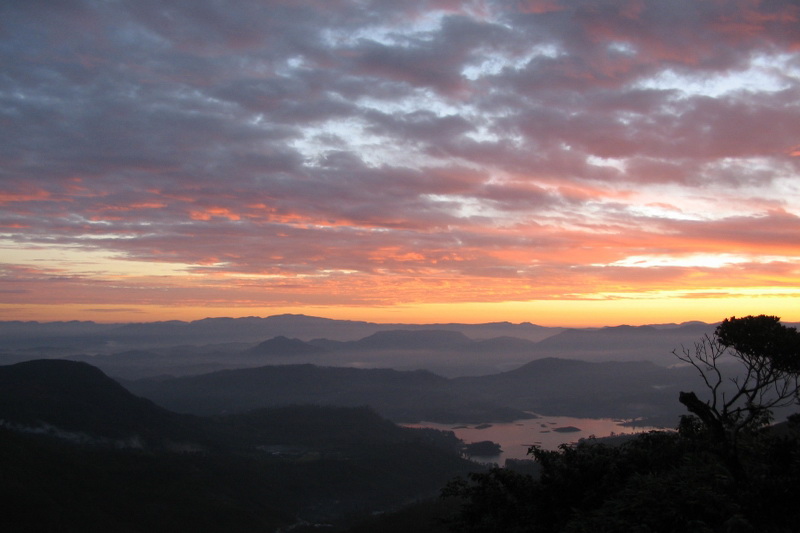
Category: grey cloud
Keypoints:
(140, 119)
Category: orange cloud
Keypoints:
(214, 212)
(7, 197)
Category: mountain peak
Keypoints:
(78, 397)
(282, 345)
(404, 339)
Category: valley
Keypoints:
(283, 428)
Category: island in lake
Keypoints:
(485, 448)
(567, 429)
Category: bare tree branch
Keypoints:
(768, 354)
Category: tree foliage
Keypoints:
(762, 338)
(658, 482)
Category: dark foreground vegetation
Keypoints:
(658, 482)
(724, 470)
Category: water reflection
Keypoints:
(546, 431)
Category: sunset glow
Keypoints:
(562, 162)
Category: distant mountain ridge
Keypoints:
(257, 329)
(245, 329)
(132, 351)
(174, 348)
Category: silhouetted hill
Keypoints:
(580, 388)
(77, 397)
(548, 386)
(280, 346)
(566, 377)
(400, 339)
(448, 353)
(407, 396)
(608, 338)
(264, 469)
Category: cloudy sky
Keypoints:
(558, 161)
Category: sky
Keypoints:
(562, 162)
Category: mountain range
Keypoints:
(630, 390)
(75, 335)
(290, 421)
(408, 373)
(132, 351)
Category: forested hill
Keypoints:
(79, 398)
(70, 435)
(401, 396)
(551, 386)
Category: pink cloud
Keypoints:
(397, 150)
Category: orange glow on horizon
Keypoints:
(552, 313)
(586, 169)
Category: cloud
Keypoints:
(370, 151)
(125, 310)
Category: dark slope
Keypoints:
(331, 462)
(548, 386)
(553, 376)
(77, 397)
(53, 485)
(581, 388)
(407, 396)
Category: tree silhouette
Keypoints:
(766, 376)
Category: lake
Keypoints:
(546, 431)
